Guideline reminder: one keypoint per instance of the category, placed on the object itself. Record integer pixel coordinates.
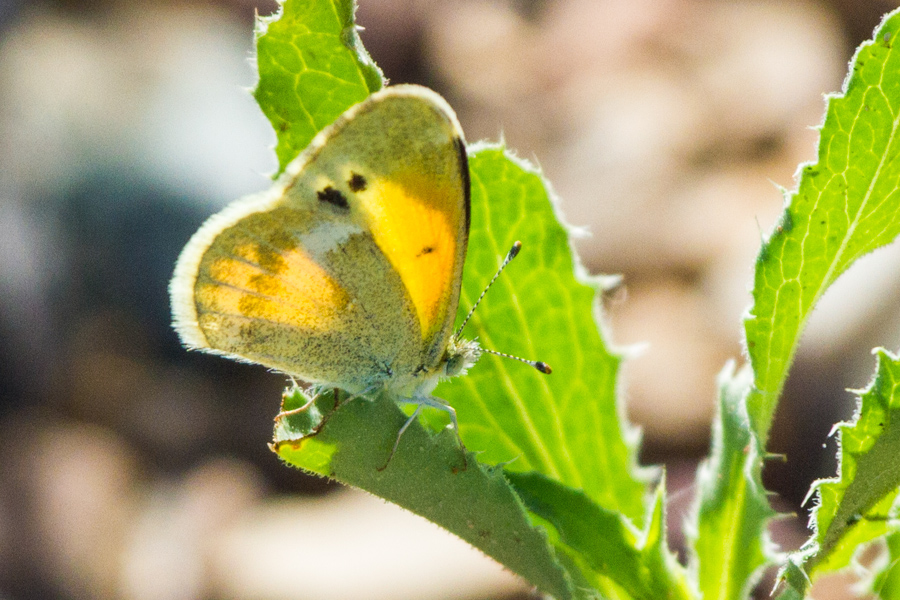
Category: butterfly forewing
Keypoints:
(410, 190)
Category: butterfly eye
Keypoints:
(456, 364)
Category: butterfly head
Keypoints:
(460, 355)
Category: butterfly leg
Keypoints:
(337, 403)
(438, 404)
(294, 411)
(431, 402)
(399, 435)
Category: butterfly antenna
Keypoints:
(513, 252)
(540, 366)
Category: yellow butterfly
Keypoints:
(347, 272)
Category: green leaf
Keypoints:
(886, 582)
(427, 476)
(796, 579)
(607, 545)
(567, 425)
(312, 67)
(846, 205)
(855, 507)
(727, 530)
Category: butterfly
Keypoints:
(347, 272)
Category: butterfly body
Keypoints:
(347, 272)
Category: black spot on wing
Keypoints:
(357, 182)
(425, 250)
(333, 197)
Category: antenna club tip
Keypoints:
(543, 367)
(515, 249)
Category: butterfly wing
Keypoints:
(348, 270)
(412, 191)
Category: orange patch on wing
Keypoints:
(258, 283)
(417, 224)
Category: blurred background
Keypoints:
(131, 469)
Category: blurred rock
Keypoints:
(675, 374)
(391, 31)
(711, 97)
(83, 483)
(350, 545)
(152, 87)
(111, 378)
(170, 549)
